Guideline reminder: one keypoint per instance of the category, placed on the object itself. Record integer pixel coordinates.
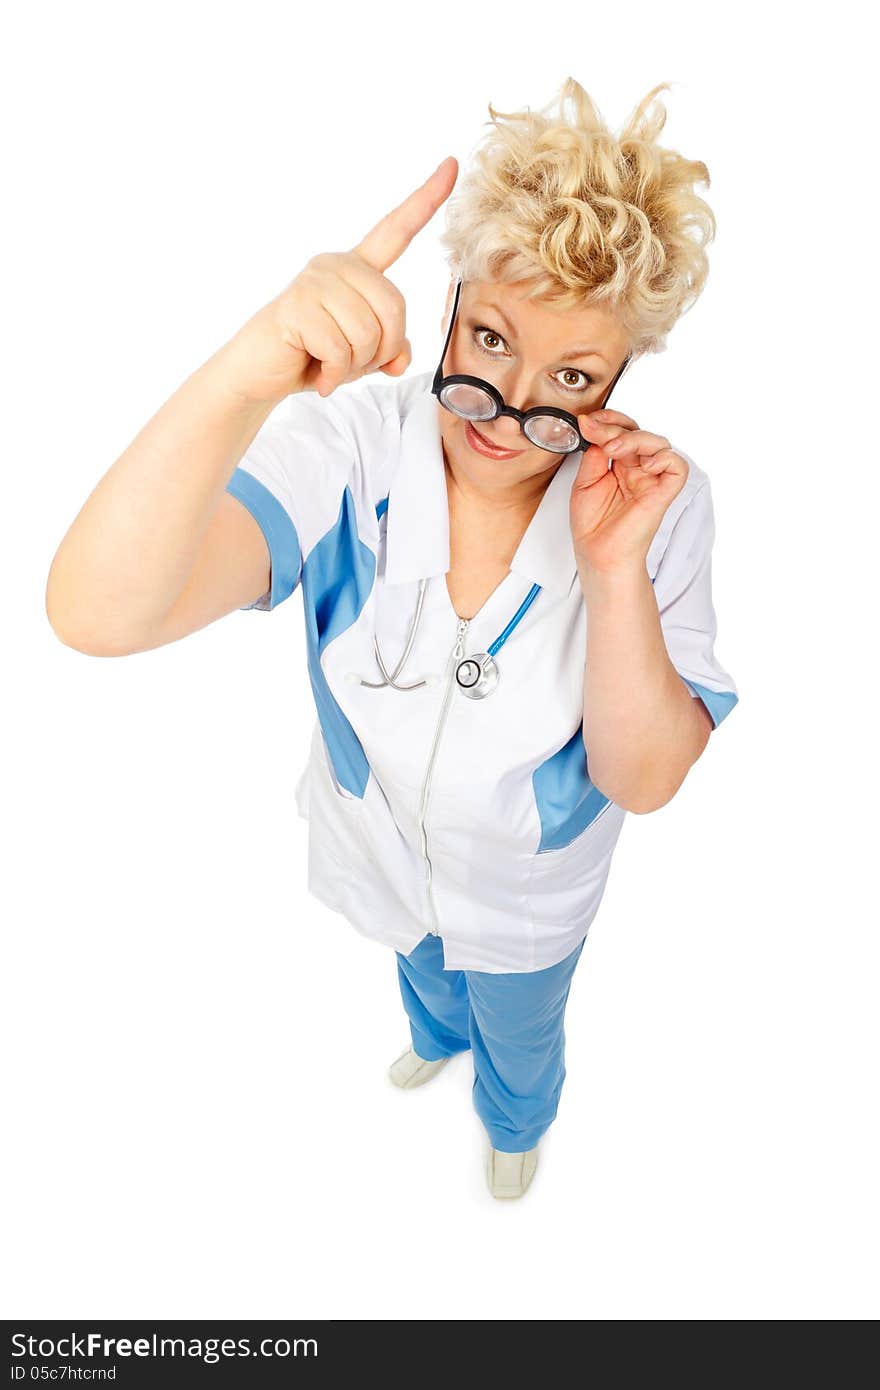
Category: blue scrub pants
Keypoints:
(513, 1023)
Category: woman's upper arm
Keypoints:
(232, 570)
(286, 493)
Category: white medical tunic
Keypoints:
(430, 811)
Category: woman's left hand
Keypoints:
(615, 512)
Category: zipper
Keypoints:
(457, 653)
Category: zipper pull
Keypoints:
(463, 624)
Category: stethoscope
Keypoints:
(475, 676)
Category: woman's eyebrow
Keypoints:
(570, 356)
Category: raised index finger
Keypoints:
(391, 236)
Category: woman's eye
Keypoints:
(490, 344)
(583, 385)
(490, 351)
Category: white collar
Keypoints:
(417, 538)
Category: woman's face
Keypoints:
(534, 354)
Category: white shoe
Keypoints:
(410, 1070)
(510, 1174)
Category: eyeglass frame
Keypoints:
(502, 408)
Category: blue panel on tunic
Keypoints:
(337, 578)
(284, 547)
(566, 798)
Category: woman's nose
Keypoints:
(507, 432)
(507, 428)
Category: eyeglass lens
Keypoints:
(547, 431)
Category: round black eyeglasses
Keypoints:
(471, 398)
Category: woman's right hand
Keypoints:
(340, 318)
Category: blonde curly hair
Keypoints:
(590, 218)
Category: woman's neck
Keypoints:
(509, 502)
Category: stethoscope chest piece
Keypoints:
(476, 676)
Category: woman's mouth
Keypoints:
(482, 446)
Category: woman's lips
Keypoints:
(482, 446)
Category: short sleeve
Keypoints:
(292, 479)
(683, 589)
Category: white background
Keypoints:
(200, 1121)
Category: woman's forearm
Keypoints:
(643, 729)
(129, 551)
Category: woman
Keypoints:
(506, 585)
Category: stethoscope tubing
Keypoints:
(517, 617)
(392, 680)
(488, 656)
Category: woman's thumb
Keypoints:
(398, 365)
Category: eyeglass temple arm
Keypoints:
(438, 375)
(620, 371)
